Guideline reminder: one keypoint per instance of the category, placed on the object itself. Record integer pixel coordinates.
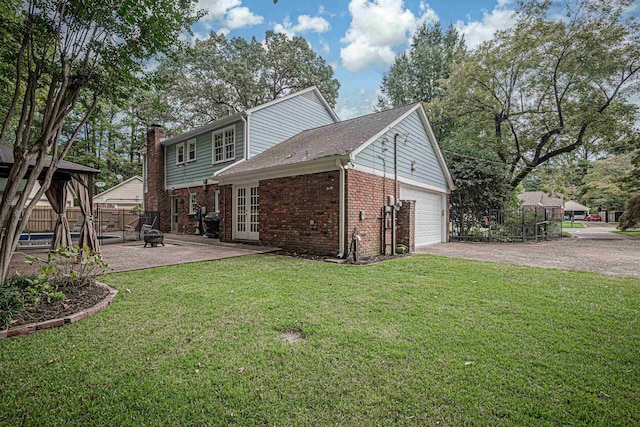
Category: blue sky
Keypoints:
(358, 38)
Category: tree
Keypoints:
(481, 182)
(416, 75)
(555, 81)
(221, 76)
(60, 53)
(604, 183)
(631, 216)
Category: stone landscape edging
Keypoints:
(31, 328)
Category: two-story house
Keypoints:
(290, 174)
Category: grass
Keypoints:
(421, 340)
(568, 224)
(630, 233)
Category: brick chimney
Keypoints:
(154, 196)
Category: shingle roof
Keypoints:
(533, 198)
(6, 158)
(572, 205)
(331, 140)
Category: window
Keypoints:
(224, 145)
(191, 150)
(193, 203)
(180, 154)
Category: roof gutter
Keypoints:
(341, 222)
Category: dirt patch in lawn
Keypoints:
(78, 298)
(292, 336)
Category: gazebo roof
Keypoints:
(64, 166)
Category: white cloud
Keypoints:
(377, 26)
(239, 17)
(306, 24)
(356, 104)
(500, 18)
(217, 9)
(229, 13)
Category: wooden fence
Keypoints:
(43, 219)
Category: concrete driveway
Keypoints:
(592, 249)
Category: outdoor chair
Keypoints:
(77, 227)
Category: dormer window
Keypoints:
(180, 154)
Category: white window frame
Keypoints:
(180, 152)
(191, 144)
(193, 203)
(228, 144)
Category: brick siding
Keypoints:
(226, 213)
(406, 219)
(187, 221)
(367, 193)
(301, 213)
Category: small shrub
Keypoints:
(631, 216)
(72, 266)
(11, 304)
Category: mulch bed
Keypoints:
(78, 298)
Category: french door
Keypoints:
(246, 212)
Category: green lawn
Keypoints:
(631, 233)
(421, 340)
(568, 224)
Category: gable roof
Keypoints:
(572, 205)
(122, 184)
(311, 91)
(540, 198)
(338, 139)
(7, 160)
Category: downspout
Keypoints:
(246, 136)
(342, 209)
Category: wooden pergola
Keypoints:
(81, 180)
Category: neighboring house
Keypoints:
(290, 174)
(575, 210)
(43, 202)
(126, 195)
(552, 203)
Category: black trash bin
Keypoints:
(212, 225)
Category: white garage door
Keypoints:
(428, 214)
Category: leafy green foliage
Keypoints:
(11, 304)
(221, 76)
(549, 85)
(72, 266)
(604, 183)
(57, 55)
(416, 75)
(21, 293)
(481, 184)
(631, 216)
